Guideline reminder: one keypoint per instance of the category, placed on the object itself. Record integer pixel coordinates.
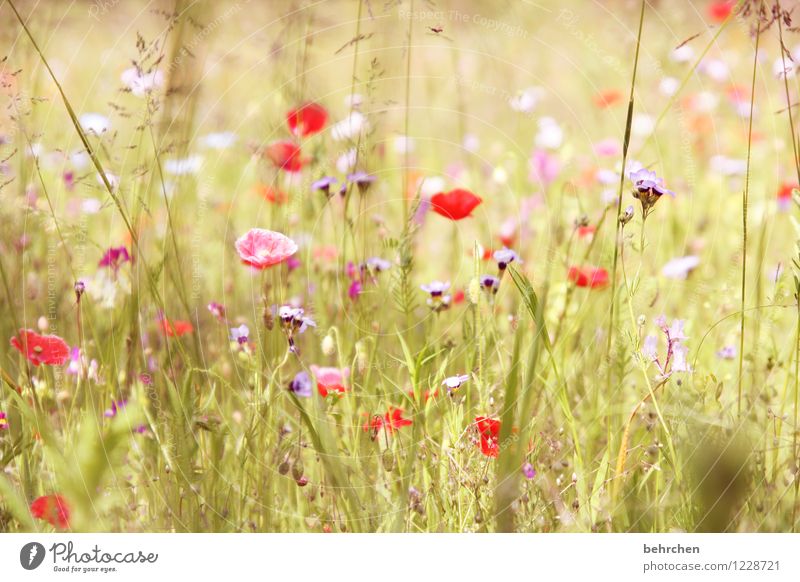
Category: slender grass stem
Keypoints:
(745, 201)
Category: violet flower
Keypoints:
(505, 257)
(240, 334)
(301, 385)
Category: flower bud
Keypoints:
(297, 470)
(328, 345)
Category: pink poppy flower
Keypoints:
(260, 248)
(330, 380)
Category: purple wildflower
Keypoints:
(324, 184)
(240, 334)
(355, 289)
(528, 471)
(436, 288)
(727, 352)
(505, 257)
(301, 385)
(114, 258)
(490, 283)
(217, 310)
(3, 421)
(115, 406)
(362, 180)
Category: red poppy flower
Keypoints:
(586, 231)
(458, 296)
(176, 328)
(285, 155)
(719, 10)
(488, 431)
(592, 277)
(307, 119)
(272, 195)
(607, 98)
(393, 420)
(53, 509)
(456, 204)
(41, 349)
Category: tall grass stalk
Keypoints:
(745, 201)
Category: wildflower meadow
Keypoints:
(399, 266)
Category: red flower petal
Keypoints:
(285, 155)
(307, 119)
(455, 204)
(720, 10)
(53, 509)
(176, 328)
(41, 349)
(592, 277)
(488, 431)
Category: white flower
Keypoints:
(431, 185)
(550, 135)
(95, 123)
(642, 125)
(669, 86)
(349, 127)
(346, 161)
(454, 382)
(181, 167)
(679, 268)
(219, 141)
(727, 166)
(526, 100)
(682, 54)
(141, 83)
